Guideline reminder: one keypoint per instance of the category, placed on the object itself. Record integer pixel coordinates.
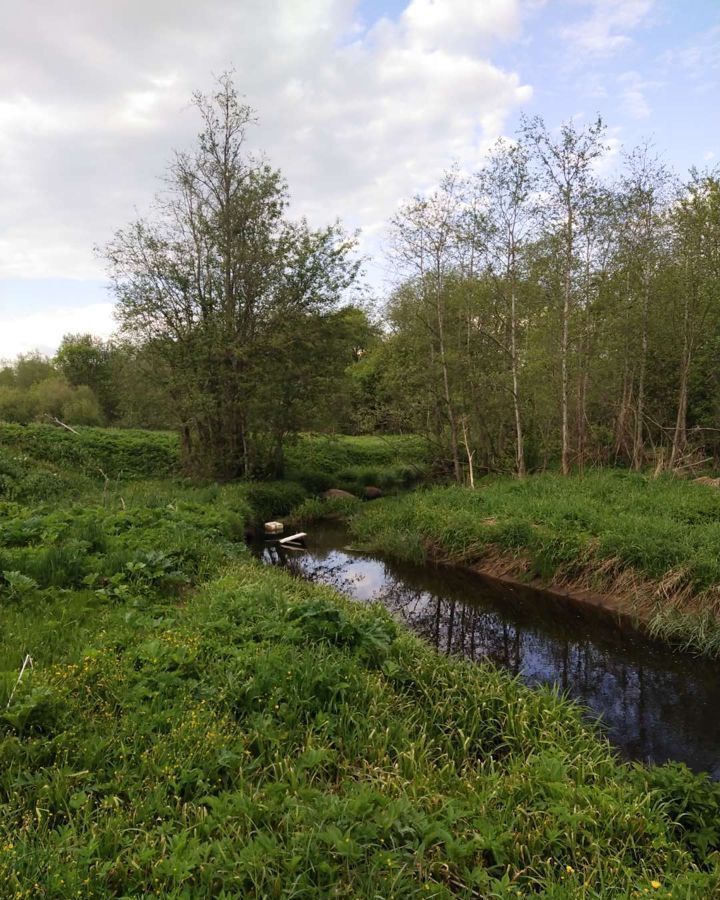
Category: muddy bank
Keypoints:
(615, 608)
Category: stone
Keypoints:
(336, 493)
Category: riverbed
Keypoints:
(655, 704)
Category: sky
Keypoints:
(361, 104)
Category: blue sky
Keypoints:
(360, 103)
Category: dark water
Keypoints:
(656, 705)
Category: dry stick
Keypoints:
(105, 487)
(26, 662)
(58, 422)
(692, 464)
(463, 422)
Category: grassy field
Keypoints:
(315, 462)
(196, 725)
(651, 542)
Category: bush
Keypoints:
(272, 498)
(82, 408)
(16, 405)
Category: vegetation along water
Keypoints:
(195, 724)
(535, 400)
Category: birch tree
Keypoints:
(643, 198)
(696, 220)
(565, 176)
(424, 236)
(504, 193)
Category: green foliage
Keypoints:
(116, 452)
(25, 480)
(115, 553)
(33, 387)
(263, 333)
(255, 735)
(16, 405)
(272, 498)
(320, 462)
(86, 361)
(315, 509)
(267, 737)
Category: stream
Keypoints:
(656, 704)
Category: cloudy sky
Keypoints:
(361, 103)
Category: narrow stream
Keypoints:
(656, 705)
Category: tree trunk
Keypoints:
(519, 443)
(565, 438)
(564, 339)
(446, 387)
(680, 435)
(639, 441)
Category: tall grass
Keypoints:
(653, 540)
(320, 462)
(316, 462)
(266, 738)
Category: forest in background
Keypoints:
(543, 314)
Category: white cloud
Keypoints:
(448, 23)
(699, 58)
(632, 94)
(26, 332)
(606, 29)
(94, 96)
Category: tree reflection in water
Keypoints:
(655, 704)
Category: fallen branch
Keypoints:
(26, 662)
(62, 424)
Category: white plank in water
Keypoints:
(293, 537)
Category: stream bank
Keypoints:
(656, 704)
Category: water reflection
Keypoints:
(656, 704)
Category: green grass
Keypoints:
(316, 462)
(390, 462)
(593, 529)
(195, 725)
(117, 452)
(265, 738)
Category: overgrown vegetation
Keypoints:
(351, 463)
(195, 725)
(175, 720)
(264, 737)
(95, 451)
(651, 542)
(543, 315)
(314, 462)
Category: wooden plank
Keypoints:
(293, 538)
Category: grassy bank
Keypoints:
(652, 543)
(264, 738)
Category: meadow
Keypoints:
(197, 725)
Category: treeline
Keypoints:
(89, 381)
(544, 315)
